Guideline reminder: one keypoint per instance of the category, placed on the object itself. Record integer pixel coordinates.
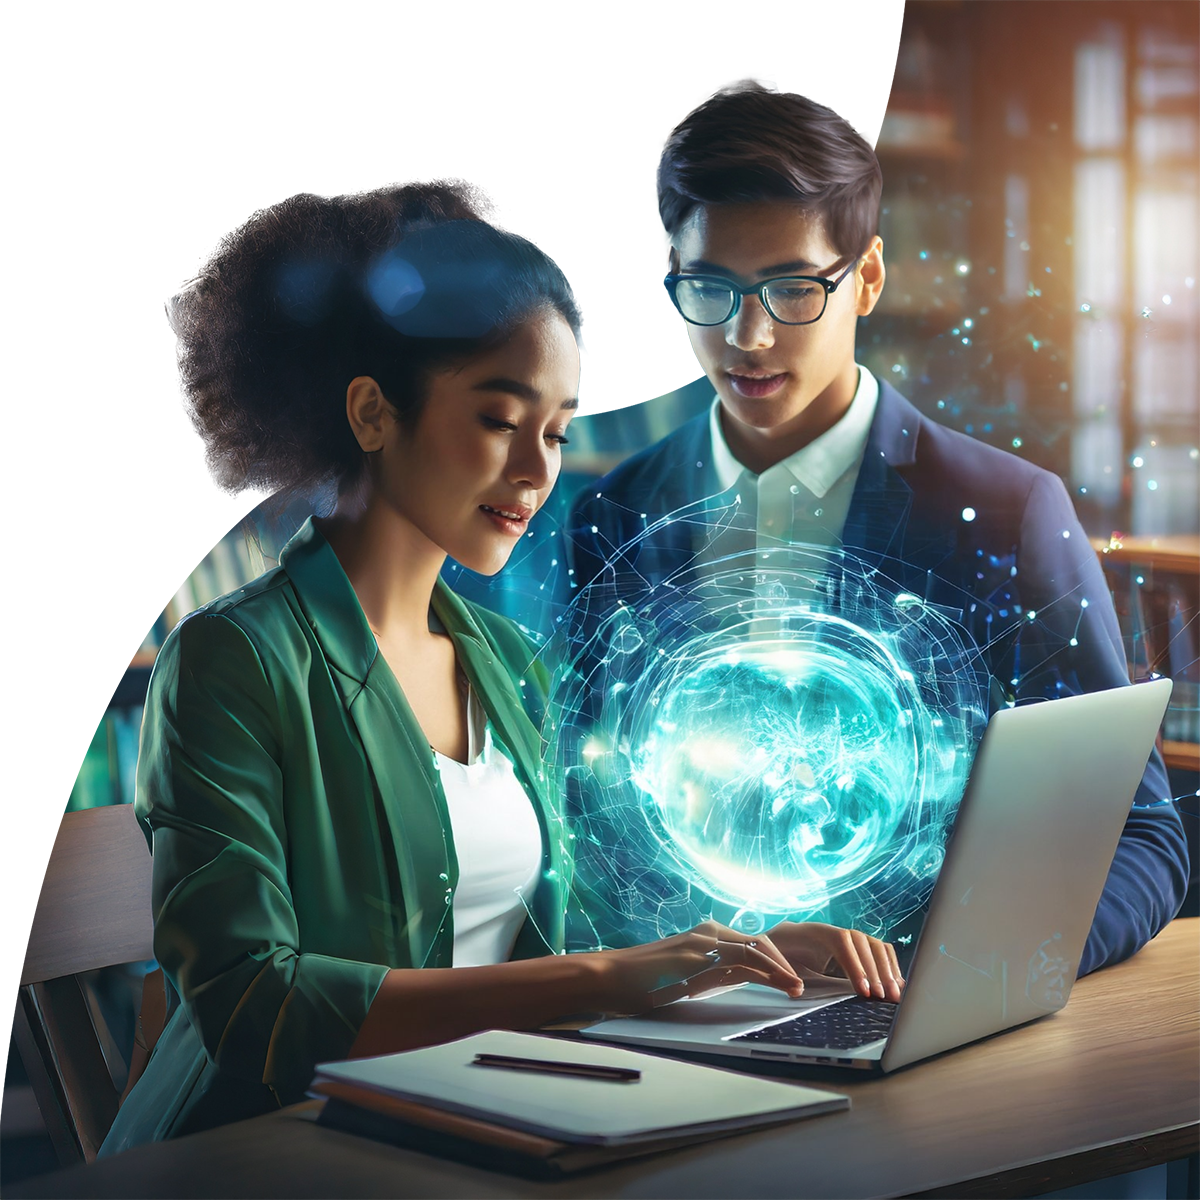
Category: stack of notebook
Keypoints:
(540, 1106)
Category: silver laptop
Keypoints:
(1035, 835)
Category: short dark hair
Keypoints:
(314, 291)
(748, 143)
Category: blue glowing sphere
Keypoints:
(782, 740)
(781, 772)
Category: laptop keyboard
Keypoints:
(841, 1026)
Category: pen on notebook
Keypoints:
(553, 1067)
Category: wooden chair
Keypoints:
(94, 912)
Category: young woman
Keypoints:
(355, 848)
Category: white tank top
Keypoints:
(498, 843)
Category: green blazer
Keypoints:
(300, 835)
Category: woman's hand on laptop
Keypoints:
(869, 964)
(689, 964)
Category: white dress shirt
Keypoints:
(806, 497)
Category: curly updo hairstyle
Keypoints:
(314, 291)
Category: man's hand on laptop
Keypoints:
(814, 948)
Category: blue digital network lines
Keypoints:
(761, 741)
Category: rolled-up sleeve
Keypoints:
(211, 788)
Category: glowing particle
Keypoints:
(968, 514)
(896, 368)
(1074, 641)
(1066, 533)
(1151, 485)
(1033, 341)
(968, 324)
(595, 529)
(1141, 579)
(941, 404)
(1083, 603)
(1166, 299)
(923, 255)
(1031, 615)
(818, 512)
(1085, 307)
(1017, 443)
(1137, 461)
(966, 341)
(1083, 491)
(1024, 245)
(963, 267)
(1032, 291)
(597, 495)
(1194, 453)
(794, 489)
(1146, 312)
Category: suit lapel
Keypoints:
(699, 520)
(880, 505)
(411, 802)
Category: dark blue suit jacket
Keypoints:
(1021, 549)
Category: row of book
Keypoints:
(193, 47)
(43, 196)
(1182, 722)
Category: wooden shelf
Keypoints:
(1181, 756)
(1180, 552)
(938, 151)
(28, 465)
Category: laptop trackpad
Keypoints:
(722, 1013)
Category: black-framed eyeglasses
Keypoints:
(789, 299)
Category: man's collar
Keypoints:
(820, 464)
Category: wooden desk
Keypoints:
(1110, 1084)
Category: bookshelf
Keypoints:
(1156, 589)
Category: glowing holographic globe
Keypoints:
(782, 772)
(782, 734)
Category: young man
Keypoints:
(771, 203)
